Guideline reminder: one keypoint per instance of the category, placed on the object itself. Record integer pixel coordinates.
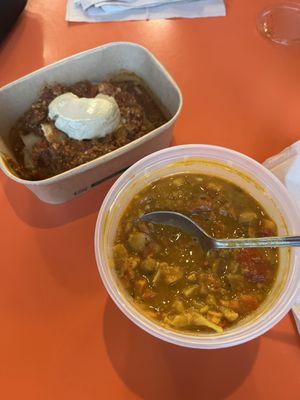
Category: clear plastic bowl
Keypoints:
(237, 168)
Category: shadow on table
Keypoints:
(42, 215)
(157, 370)
(290, 338)
(22, 51)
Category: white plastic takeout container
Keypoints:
(227, 164)
(94, 65)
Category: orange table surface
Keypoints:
(61, 337)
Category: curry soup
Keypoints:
(165, 271)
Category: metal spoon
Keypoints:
(207, 242)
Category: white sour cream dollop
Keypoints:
(83, 118)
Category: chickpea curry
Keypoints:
(171, 279)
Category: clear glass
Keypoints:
(281, 23)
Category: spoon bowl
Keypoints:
(187, 225)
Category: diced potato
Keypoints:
(178, 181)
(172, 274)
(247, 216)
(132, 263)
(138, 241)
(192, 277)
(140, 286)
(127, 266)
(124, 263)
(190, 291)
(217, 187)
(148, 265)
(178, 306)
(154, 247)
(229, 314)
(120, 251)
(120, 257)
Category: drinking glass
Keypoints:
(281, 23)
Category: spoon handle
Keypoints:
(282, 241)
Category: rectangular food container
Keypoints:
(94, 65)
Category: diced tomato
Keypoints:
(234, 304)
(267, 232)
(255, 268)
(248, 255)
(257, 272)
(249, 302)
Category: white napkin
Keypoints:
(286, 166)
(126, 10)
